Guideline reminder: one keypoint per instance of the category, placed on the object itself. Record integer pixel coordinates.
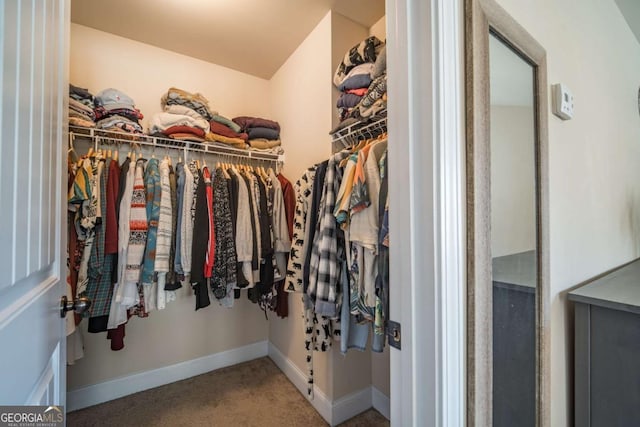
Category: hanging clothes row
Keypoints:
(339, 258)
(140, 230)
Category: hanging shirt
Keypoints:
(200, 244)
(180, 180)
(138, 227)
(211, 241)
(289, 202)
(224, 269)
(303, 190)
(324, 272)
(164, 236)
(244, 233)
(153, 192)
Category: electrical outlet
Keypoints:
(562, 101)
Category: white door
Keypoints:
(33, 79)
(427, 211)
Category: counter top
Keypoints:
(517, 271)
(619, 290)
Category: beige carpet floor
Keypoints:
(254, 393)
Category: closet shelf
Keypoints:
(350, 135)
(98, 136)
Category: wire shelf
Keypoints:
(99, 136)
(356, 132)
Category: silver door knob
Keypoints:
(79, 305)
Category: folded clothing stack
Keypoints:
(361, 77)
(263, 134)
(226, 132)
(194, 101)
(81, 107)
(179, 122)
(116, 111)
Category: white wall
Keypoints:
(594, 158)
(345, 34)
(303, 102)
(300, 100)
(513, 226)
(379, 29)
(100, 60)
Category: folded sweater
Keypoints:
(112, 99)
(348, 100)
(380, 66)
(355, 82)
(184, 129)
(234, 142)
(162, 121)
(365, 51)
(223, 120)
(224, 130)
(251, 122)
(263, 144)
(183, 110)
(262, 132)
(195, 101)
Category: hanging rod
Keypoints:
(99, 135)
(351, 134)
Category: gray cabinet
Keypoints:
(607, 349)
(514, 340)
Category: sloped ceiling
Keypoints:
(252, 36)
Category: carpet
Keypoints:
(254, 393)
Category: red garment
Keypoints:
(211, 246)
(220, 129)
(282, 301)
(361, 91)
(75, 250)
(111, 228)
(289, 202)
(184, 129)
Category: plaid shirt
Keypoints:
(324, 272)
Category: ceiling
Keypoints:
(252, 36)
(631, 11)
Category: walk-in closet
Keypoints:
(228, 198)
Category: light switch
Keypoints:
(562, 101)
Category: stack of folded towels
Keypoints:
(361, 77)
(115, 111)
(227, 132)
(81, 107)
(185, 117)
(263, 134)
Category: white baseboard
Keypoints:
(123, 386)
(299, 379)
(380, 402)
(339, 410)
(350, 405)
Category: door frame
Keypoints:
(428, 210)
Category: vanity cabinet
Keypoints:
(514, 340)
(607, 349)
